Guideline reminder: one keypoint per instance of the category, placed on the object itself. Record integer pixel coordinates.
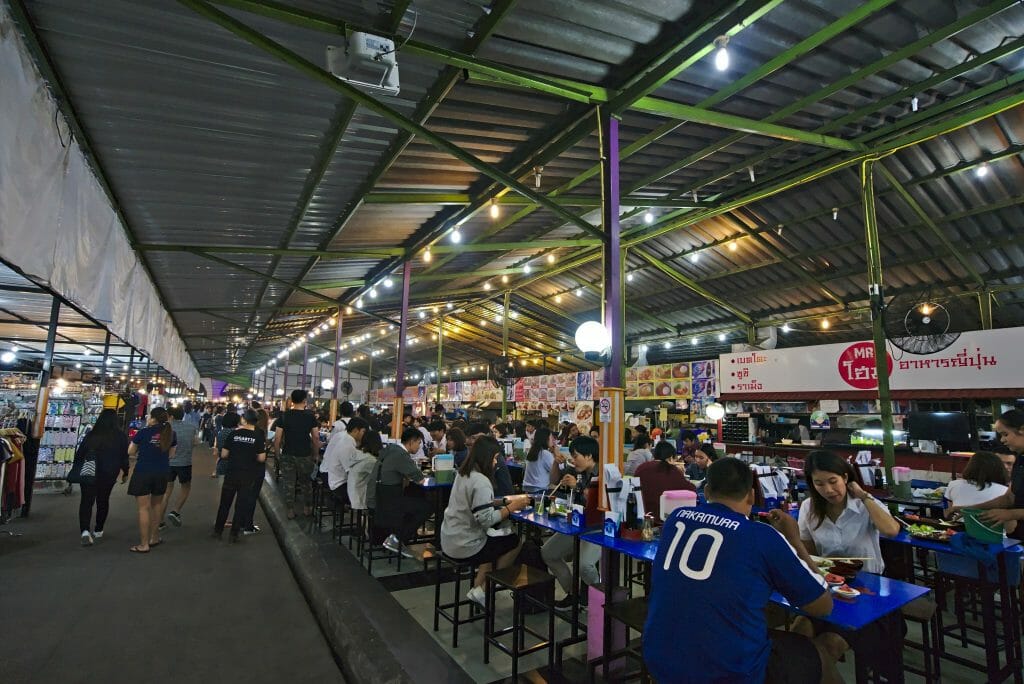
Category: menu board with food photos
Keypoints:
(664, 381)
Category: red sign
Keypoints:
(857, 366)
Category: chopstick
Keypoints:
(854, 558)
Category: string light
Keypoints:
(722, 53)
(487, 286)
(648, 217)
(721, 337)
(423, 314)
(579, 291)
(359, 303)
(667, 345)
(733, 246)
(825, 324)
(456, 236)
(551, 258)
(558, 299)
(504, 279)
(527, 269)
(695, 257)
(450, 306)
(786, 328)
(982, 170)
(694, 341)
(629, 277)
(495, 209)
(388, 282)
(373, 293)
(427, 256)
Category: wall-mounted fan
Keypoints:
(918, 324)
(503, 371)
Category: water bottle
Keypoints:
(879, 477)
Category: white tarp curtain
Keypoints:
(57, 224)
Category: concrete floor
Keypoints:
(193, 610)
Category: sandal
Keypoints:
(138, 549)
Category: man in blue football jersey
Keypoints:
(717, 569)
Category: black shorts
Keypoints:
(494, 548)
(143, 484)
(182, 474)
(793, 660)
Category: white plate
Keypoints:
(852, 593)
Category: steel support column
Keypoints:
(336, 370)
(506, 300)
(614, 319)
(877, 302)
(403, 329)
(985, 298)
(305, 364)
(44, 376)
(440, 356)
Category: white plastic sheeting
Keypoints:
(57, 224)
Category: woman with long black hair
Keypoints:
(107, 446)
(539, 460)
(153, 446)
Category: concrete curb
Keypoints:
(373, 638)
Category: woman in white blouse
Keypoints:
(839, 518)
(983, 480)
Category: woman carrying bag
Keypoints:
(102, 454)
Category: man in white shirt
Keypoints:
(436, 430)
(340, 456)
(345, 413)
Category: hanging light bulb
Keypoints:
(648, 217)
(722, 53)
(487, 286)
(835, 213)
(579, 291)
(629, 277)
(825, 324)
(926, 309)
(456, 236)
(558, 299)
(450, 306)
(785, 327)
(694, 341)
(495, 209)
(721, 337)
(695, 257)
(513, 314)
(373, 293)
(359, 303)
(551, 258)
(537, 171)
(982, 170)
(427, 256)
(733, 246)
(667, 345)
(388, 282)
(527, 269)
(913, 104)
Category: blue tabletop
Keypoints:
(432, 483)
(1009, 545)
(555, 523)
(879, 597)
(634, 548)
(514, 464)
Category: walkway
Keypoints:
(193, 610)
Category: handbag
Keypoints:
(84, 472)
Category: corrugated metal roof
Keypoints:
(209, 141)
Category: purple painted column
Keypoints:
(305, 363)
(613, 294)
(287, 361)
(400, 364)
(337, 355)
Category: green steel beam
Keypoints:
(259, 274)
(411, 127)
(460, 199)
(889, 60)
(380, 253)
(691, 284)
(916, 207)
(872, 137)
(769, 67)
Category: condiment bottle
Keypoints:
(647, 533)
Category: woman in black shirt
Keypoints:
(245, 450)
(108, 447)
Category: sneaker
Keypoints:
(392, 545)
(478, 596)
(565, 603)
(98, 534)
(86, 538)
(253, 530)
(175, 518)
(162, 526)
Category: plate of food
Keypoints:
(846, 568)
(681, 370)
(824, 564)
(922, 531)
(681, 389)
(645, 373)
(846, 591)
(663, 389)
(834, 580)
(646, 389)
(663, 372)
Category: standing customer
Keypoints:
(153, 445)
(229, 424)
(297, 439)
(469, 532)
(245, 449)
(186, 435)
(107, 445)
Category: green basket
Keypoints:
(980, 530)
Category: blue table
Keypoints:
(560, 525)
(883, 597)
(439, 492)
(1011, 554)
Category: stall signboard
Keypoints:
(981, 359)
(684, 380)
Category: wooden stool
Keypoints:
(924, 612)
